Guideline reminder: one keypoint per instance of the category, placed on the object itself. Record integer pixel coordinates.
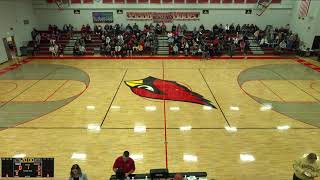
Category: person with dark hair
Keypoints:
(306, 168)
(76, 173)
(124, 165)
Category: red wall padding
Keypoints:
(119, 1)
(276, 1)
(251, 1)
(87, 1)
(155, 1)
(202, 1)
(226, 1)
(179, 1)
(50, 1)
(143, 1)
(131, 1)
(238, 1)
(107, 1)
(215, 1)
(76, 1)
(191, 1)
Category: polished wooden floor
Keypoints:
(240, 140)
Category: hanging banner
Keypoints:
(159, 17)
(102, 17)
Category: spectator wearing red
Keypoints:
(124, 164)
(83, 29)
(88, 28)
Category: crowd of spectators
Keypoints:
(209, 43)
(119, 40)
(280, 39)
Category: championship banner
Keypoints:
(159, 17)
(304, 8)
(102, 17)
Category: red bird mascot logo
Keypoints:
(154, 88)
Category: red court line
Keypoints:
(14, 66)
(56, 90)
(272, 91)
(165, 122)
(309, 65)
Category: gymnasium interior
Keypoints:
(184, 89)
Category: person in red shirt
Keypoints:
(124, 164)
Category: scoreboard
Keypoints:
(27, 167)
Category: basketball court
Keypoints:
(85, 111)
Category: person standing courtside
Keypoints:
(124, 165)
(306, 168)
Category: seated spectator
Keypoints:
(186, 49)
(51, 49)
(82, 50)
(158, 28)
(113, 49)
(118, 49)
(70, 28)
(184, 28)
(56, 49)
(129, 49)
(231, 49)
(264, 42)
(163, 28)
(238, 28)
(50, 28)
(306, 168)
(205, 54)
(135, 28)
(108, 40)
(283, 45)
(108, 50)
(175, 49)
(173, 28)
(76, 50)
(242, 45)
(65, 28)
(88, 28)
(140, 48)
(76, 173)
(227, 28)
(88, 38)
(83, 29)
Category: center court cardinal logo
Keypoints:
(154, 88)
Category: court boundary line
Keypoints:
(296, 86)
(311, 86)
(4, 104)
(269, 88)
(165, 122)
(253, 98)
(56, 90)
(214, 97)
(113, 98)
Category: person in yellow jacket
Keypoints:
(306, 168)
